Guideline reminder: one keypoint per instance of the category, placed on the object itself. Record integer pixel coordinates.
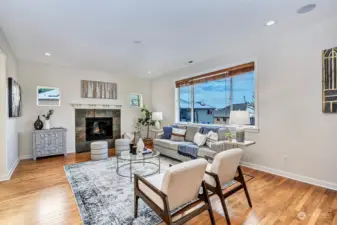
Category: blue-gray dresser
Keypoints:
(49, 142)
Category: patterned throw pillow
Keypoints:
(199, 139)
(167, 132)
(211, 138)
(178, 134)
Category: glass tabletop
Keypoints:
(125, 155)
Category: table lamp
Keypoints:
(157, 116)
(239, 118)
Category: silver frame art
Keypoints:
(97, 89)
(14, 98)
(136, 100)
(329, 81)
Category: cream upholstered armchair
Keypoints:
(225, 168)
(178, 186)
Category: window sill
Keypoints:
(249, 129)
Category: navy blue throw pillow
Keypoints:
(167, 132)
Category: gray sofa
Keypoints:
(170, 148)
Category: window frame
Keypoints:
(249, 128)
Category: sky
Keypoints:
(216, 93)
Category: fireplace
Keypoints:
(96, 124)
(98, 129)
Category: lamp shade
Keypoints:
(239, 117)
(157, 116)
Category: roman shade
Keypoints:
(216, 75)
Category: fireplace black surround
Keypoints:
(98, 129)
(96, 124)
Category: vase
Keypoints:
(140, 145)
(38, 125)
(47, 124)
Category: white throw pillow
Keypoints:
(199, 139)
(211, 138)
(178, 134)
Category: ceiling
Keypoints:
(101, 35)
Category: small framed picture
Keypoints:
(48, 96)
(136, 100)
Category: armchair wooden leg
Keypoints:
(136, 206)
(244, 186)
(224, 207)
(136, 197)
(206, 198)
(211, 216)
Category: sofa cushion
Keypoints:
(167, 132)
(178, 134)
(179, 126)
(222, 133)
(163, 143)
(173, 145)
(190, 133)
(206, 151)
(206, 130)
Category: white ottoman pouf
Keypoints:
(99, 150)
(122, 145)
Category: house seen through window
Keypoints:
(214, 98)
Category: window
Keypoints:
(185, 104)
(215, 94)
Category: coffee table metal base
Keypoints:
(132, 162)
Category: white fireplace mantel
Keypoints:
(95, 106)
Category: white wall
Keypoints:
(9, 139)
(289, 99)
(69, 80)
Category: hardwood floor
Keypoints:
(39, 193)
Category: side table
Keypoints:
(156, 132)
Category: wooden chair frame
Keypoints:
(165, 213)
(218, 189)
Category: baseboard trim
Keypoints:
(9, 175)
(22, 157)
(305, 179)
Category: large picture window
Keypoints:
(215, 94)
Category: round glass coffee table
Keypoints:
(126, 159)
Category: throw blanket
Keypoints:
(188, 150)
(205, 130)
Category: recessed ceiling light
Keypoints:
(306, 8)
(47, 54)
(149, 72)
(270, 23)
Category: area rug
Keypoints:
(105, 198)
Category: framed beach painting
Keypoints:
(48, 96)
(14, 98)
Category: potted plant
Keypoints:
(47, 117)
(229, 136)
(146, 121)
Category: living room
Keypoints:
(160, 61)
